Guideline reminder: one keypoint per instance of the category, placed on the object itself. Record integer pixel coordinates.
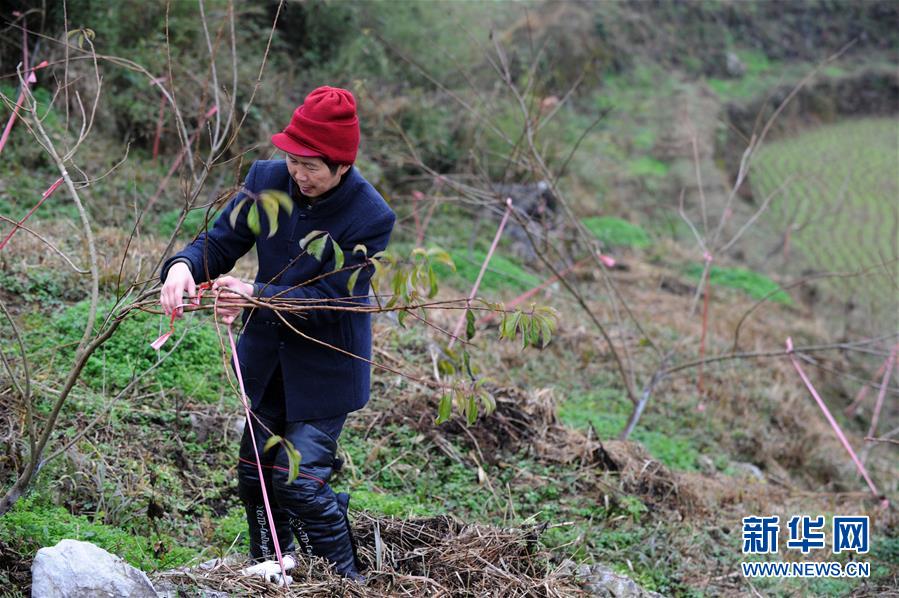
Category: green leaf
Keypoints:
(472, 411)
(338, 255)
(232, 218)
(351, 283)
(445, 409)
(466, 361)
(445, 367)
(432, 282)
(401, 317)
(270, 206)
(305, 240)
(253, 219)
(272, 441)
(442, 256)
(316, 247)
(546, 331)
(293, 461)
(282, 198)
(469, 324)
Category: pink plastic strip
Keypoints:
(19, 224)
(863, 391)
(477, 283)
(31, 79)
(883, 391)
(243, 398)
(836, 427)
(246, 406)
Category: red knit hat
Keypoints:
(325, 126)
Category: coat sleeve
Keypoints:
(215, 252)
(330, 289)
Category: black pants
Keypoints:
(306, 508)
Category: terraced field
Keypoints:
(839, 211)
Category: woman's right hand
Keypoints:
(178, 282)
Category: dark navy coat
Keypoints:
(319, 382)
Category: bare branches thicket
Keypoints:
(524, 148)
(221, 135)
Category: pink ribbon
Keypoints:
(863, 391)
(19, 224)
(177, 163)
(477, 283)
(157, 344)
(883, 391)
(884, 503)
(30, 79)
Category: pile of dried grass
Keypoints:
(436, 556)
(523, 421)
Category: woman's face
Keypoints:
(312, 175)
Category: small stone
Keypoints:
(74, 569)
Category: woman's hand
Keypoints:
(178, 281)
(227, 305)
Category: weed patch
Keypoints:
(752, 283)
(617, 232)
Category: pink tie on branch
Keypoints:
(863, 391)
(177, 163)
(157, 344)
(246, 406)
(477, 283)
(884, 503)
(19, 224)
(30, 79)
(883, 391)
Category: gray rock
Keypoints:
(599, 580)
(734, 66)
(74, 569)
(748, 470)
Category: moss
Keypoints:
(754, 284)
(29, 527)
(615, 231)
(647, 166)
(502, 273)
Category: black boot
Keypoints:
(316, 516)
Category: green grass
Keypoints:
(617, 232)
(607, 411)
(195, 368)
(647, 166)
(839, 190)
(503, 274)
(752, 283)
(30, 527)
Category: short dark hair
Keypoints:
(332, 166)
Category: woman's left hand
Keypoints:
(228, 304)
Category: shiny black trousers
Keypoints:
(309, 517)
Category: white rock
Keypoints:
(74, 568)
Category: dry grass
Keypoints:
(437, 556)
